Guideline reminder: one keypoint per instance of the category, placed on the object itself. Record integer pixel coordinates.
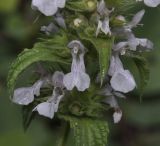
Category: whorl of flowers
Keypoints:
(90, 26)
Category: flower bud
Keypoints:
(77, 22)
(92, 4)
(118, 21)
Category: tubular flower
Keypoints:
(50, 107)
(103, 25)
(25, 95)
(122, 80)
(77, 77)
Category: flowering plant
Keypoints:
(79, 73)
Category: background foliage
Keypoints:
(140, 125)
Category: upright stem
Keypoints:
(64, 134)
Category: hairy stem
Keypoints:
(63, 135)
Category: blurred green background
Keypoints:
(140, 125)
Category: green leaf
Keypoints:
(28, 115)
(103, 47)
(61, 39)
(40, 52)
(87, 131)
(143, 68)
(81, 5)
(121, 5)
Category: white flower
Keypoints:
(143, 44)
(135, 20)
(126, 30)
(112, 101)
(45, 109)
(77, 77)
(151, 3)
(102, 9)
(115, 65)
(122, 80)
(25, 96)
(117, 116)
(103, 26)
(132, 42)
(50, 107)
(48, 7)
(108, 91)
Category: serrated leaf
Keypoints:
(88, 132)
(81, 5)
(143, 68)
(40, 52)
(121, 5)
(60, 39)
(103, 47)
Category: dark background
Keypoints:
(140, 125)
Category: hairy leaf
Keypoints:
(81, 5)
(143, 68)
(103, 47)
(61, 39)
(40, 52)
(87, 131)
(121, 5)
